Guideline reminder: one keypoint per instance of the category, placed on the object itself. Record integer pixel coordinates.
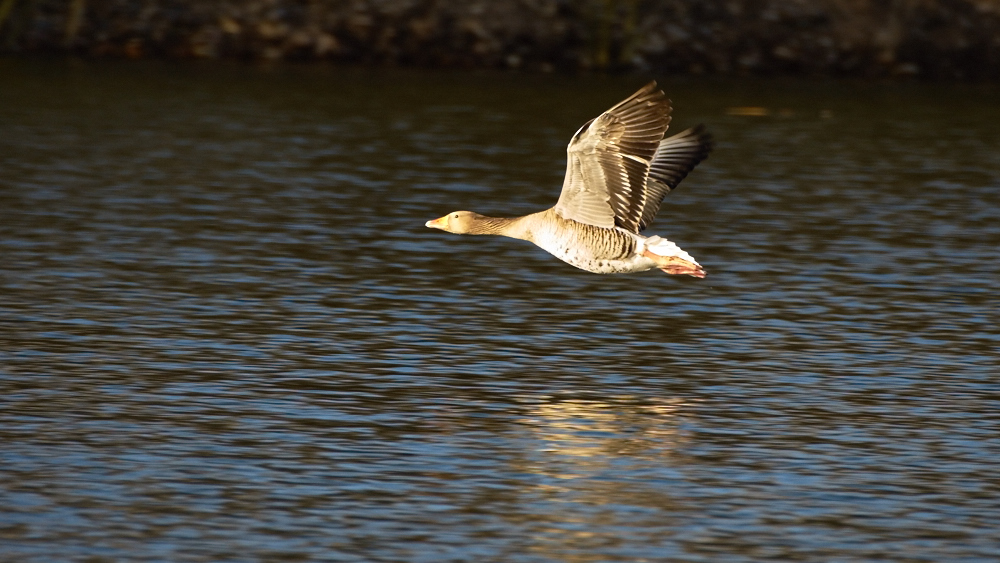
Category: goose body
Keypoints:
(619, 169)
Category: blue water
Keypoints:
(226, 335)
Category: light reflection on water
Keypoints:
(226, 334)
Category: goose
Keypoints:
(619, 168)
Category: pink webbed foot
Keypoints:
(675, 265)
(697, 271)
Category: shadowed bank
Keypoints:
(926, 38)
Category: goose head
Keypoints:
(458, 222)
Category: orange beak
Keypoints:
(438, 223)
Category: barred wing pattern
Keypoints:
(676, 157)
(619, 167)
(608, 161)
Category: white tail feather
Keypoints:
(663, 247)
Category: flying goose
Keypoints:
(619, 168)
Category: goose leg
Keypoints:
(675, 265)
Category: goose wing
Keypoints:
(609, 159)
(674, 159)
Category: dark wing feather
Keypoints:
(674, 159)
(608, 161)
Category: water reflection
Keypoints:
(224, 329)
(591, 434)
(601, 470)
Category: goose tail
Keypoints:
(671, 258)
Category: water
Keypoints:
(226, 335)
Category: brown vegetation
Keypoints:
(934, 38)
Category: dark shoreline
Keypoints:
(934, 39)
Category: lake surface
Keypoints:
(226, 334)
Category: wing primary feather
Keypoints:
(619, 166)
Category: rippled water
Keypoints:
(226, 335)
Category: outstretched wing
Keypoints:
(676, 157)
(609, 159)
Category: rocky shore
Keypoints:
(938, 39)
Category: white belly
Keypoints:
(582, 251)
